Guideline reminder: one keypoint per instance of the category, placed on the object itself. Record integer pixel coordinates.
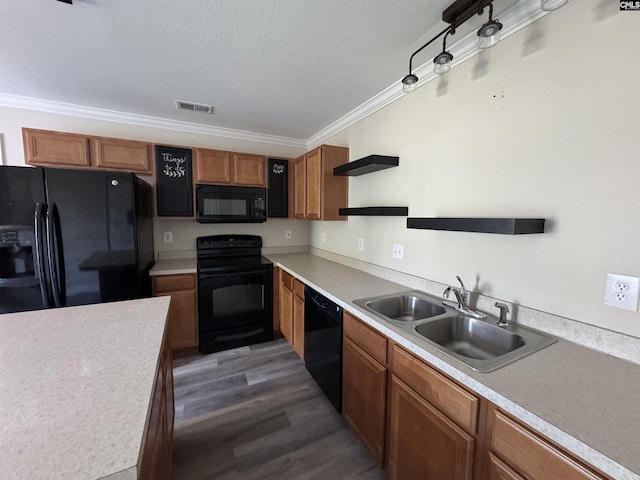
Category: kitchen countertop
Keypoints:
(174, 266)
(75, 389)
(584, 400)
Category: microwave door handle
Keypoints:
(39, 230)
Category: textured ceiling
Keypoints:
(278, 67)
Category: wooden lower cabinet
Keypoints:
(157, 444)
(423, 442)
(183, 311)
(364, 396)
(298, 318)
(286, 312)
(526, 454)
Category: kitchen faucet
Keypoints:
(462, 296)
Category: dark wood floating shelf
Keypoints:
(369, 164)
(376, 211)
(507, 226)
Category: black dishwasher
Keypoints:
(323, 344)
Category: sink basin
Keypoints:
(403, 307)
(471, 338)
(481, 344)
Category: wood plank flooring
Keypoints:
(255, 413)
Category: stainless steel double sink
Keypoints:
(479, 344)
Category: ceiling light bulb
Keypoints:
(409, 83)
(489, 34)
(442, 63)
(549, 5)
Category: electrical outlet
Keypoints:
(398, 251)
(323, 237)
(287, 234)
(168, 237)
(622, 292)
(361, 244)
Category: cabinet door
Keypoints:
(286, 313)
(423, 443)
(213, 166)
(116, 154)
(498, 470)
(183, 314)
(42, 147)
(314, 184)
(298, 325)
(249, 170)
(300, 187)
(531, 455)
(364, 388)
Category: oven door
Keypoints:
(230, 204)
(234, 309)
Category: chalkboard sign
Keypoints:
(174, 188)
(278, 191)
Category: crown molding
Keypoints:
(514, 18)
(48, 106)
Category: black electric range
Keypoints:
(235, 292)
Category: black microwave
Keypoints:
(230, 204)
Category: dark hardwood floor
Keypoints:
(255, 413)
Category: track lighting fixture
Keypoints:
(549, 5)
(442, 61)
(489, 33)
(455, 15)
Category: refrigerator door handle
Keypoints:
(39, 230)
(54, 252)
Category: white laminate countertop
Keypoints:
(75, 389)
(584, 400)
(174, 266)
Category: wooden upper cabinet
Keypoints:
(318, 193)
(116, 154)
(249, 169)
(43, 147)
(300, 187)
(228, 168)
(59, 149)
(213, 166)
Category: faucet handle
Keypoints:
(464, 290)
(504, 309)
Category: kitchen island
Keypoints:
(86, 392)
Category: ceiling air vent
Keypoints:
(194, 107)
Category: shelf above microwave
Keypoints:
(370, 164)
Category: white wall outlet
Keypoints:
(398, 251)
(622, 292)
(287, 234)
(361, 244)
(323, 237)
(167, 237)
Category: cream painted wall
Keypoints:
(184, 231)
(542, 125)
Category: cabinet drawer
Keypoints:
(531, 455)
(287, 280)
(173, 283)
(460, 405)
(368, 339)
(298, 288)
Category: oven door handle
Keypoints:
(230, 274)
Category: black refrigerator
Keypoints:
(73, 237)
